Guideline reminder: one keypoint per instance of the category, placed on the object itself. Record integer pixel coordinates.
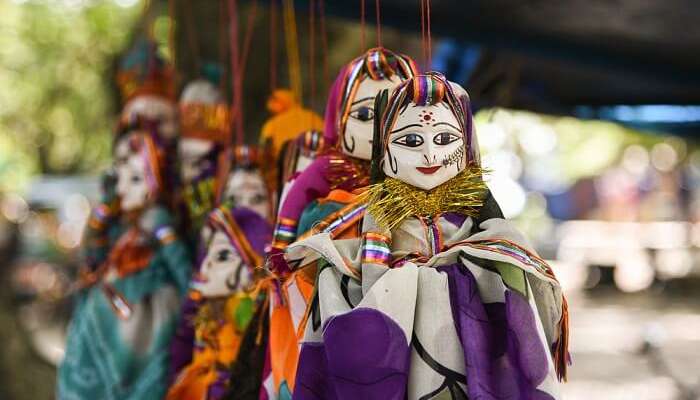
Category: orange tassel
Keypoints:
(562, 359)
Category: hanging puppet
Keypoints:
(145, 83)
(349, 116)
(224, 301)
(325, 186)
(128, 307)
(245, 185)
(204, 119)
(435, 298)
(240, 185)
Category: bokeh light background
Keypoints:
(614, 209)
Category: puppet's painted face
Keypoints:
(130, 167)
(425, 147)
(358, 134)
(246, 188)
(222, 271)
(157, 109)
(195, 158)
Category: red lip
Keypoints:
(429, 170)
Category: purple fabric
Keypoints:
(504, 356)
(219, 389)
(259, 233)
(331, 117)
(255, 228)
(312, 380)
(309, 186)
(456, 219)
(365, 355)
(182, 342)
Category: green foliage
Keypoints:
(56, 105)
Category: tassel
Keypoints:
(562, 358)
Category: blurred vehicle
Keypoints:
(51, 217)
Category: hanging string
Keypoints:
(312, 55)
(424, 58)
(324, 41)
(426, 38)
(191, 34)
(292, 42)
(222, 43)
(171, 41)
(236, 111)
(273, 45)
(379, 23)
(362, 25)
(247, 39)
(430, 40)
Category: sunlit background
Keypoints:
(605, 192)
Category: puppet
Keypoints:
(225, 298)
(245, 185)
(240, 185)
(349, 123)
(204, 121)
(325, 186)
(430, 293)
(128, 307)
(145, 83)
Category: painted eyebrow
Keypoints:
(361, 100)
(448, 124)
(406, 127)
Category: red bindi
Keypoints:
(426, 117)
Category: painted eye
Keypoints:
(445, 138)
(409, 140)
(363, 113)
(223, 255)
(135, 179)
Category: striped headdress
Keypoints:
(377, 64)
(145, 142)
(429, 89)
(247, 231)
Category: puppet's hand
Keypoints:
(277, 263)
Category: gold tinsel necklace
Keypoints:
(391, 201)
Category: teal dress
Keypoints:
(108, 357)
(315, 212)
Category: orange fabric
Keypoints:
(285, 338)
(194, 381)
(129, 255)
(339, 196)
(284, 350)
(287, 125)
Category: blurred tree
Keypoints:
(56, 107)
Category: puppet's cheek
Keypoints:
(423, 169)
(220, 279)
(357, 139)
(191, 152)
(132, 187)
(401, 163)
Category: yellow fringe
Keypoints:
(392, 201)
